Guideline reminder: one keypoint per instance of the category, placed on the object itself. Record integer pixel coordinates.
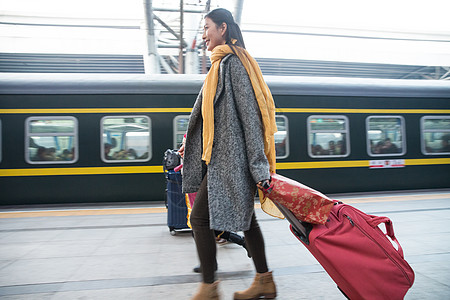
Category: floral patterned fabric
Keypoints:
(305, 203)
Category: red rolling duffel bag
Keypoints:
(356, 253)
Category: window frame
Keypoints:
(150, 140)
(402, 130)
(422, 134)
(175, 131)
(74, 134)
(346, 131)
(287, 136)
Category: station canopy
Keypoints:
(99, 36)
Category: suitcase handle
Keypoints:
(302, 229)
(375, 221)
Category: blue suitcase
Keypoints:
(175, 203)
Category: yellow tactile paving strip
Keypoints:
(150, 210)
(82, 212)
(410, 197)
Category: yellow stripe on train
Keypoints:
(363, 110)
(159, 169)
(93, 110)
(356, 163)
(81, 171)
(188, 110)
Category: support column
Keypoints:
(151, 59)
(180, 55)
(192, 61)
(238, 5)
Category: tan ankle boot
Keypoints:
(262, 286)
(207, 291)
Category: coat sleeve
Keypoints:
(250, 117)
(192, 167)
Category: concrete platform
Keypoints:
(119, 251)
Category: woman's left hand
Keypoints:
(181, 151)
(263, 184)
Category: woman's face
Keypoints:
(213, 35)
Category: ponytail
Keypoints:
(234, 32)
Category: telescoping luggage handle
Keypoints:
(375, 221)
(302, 229)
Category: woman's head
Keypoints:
(220, 29)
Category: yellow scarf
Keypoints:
(265, 103)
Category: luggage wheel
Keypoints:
(172, 230)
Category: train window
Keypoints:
(281, 137)
(328, 136)
(435, 135)
(51, 140)
(126, 139)
(385, 135)
(180, 124)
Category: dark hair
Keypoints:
(221, 15)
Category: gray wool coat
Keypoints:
(237, 161)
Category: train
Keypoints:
(93, 138)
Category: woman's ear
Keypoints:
(223, 28)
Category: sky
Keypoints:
(395, 15)
(408, 25)
(383, 31)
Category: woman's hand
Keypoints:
(264, 185)
(181, 151)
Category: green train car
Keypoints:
(75, 138)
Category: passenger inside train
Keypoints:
(334, 148)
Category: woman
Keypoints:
(229, 151)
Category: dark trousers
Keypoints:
(206, 242)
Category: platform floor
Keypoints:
(120, 251)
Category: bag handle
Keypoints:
(302, 229)
(375, 221)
